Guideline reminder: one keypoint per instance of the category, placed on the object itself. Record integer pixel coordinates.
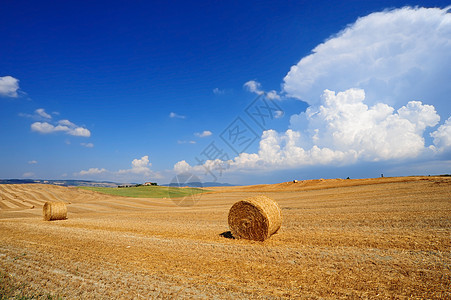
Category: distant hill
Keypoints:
(62, 182)
(16, 181)
(72, 182)
(200, 184)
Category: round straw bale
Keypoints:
(255, 218)
(54, 211)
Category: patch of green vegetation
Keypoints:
(9, 289)
(146, 191)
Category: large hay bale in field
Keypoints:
(54, 211)
(255, 218)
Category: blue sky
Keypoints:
(138, 91)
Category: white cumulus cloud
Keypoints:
(396, 56)
(68, 128)
(9, 86)
(344, 122)
(205, 133)
(43, 127)
(139, 166)
(92, 171)
(442, 136)
(391, 70)
(182, 167)
(79, 131)
(343, 130)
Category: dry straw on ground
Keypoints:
(255, 218)
(54, 211)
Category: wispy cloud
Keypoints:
(255, 87)
(173, 115)
(87, 145)
(92, 171)
(218, 91)
(9, 86)
(32, 162)
(28, 175)
(278, 114)
(185, 142)
(203, 134)
(41, 112)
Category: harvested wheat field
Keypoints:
(368, 238)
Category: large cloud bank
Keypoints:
(378, 91)
(395, 56)
(344, 130)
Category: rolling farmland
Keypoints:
(370, 238)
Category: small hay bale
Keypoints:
(255, 218)
(54, 211)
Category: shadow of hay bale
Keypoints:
(227, 235)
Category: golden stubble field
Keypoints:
(367, 238)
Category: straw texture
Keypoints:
(255, 218)
(54, 211)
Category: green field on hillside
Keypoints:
(146, 191)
